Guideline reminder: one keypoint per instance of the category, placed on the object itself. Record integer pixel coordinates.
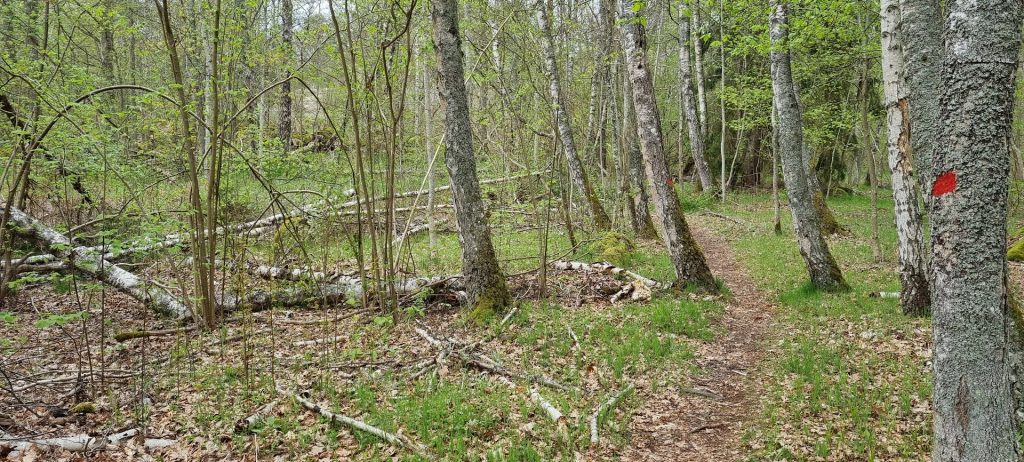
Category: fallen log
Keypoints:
(397, 439)
(93, 264)
(77, 443)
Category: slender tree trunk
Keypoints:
(698, 68)
(776, 205)
(284, 127)
(823, 270)
(690, 110)
(921, 31)
(976, 332)
(485, 285)
(576, 173)
(721, 93)
(914, 292)
(686, 256)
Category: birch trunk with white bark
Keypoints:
(693, 123)
(914, 293)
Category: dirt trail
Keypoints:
(703, 420)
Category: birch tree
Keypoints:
(687, 259)
(914, 293)
(576, 173)
(485, 285)
(976, 333)
(822, 267)
(689, 106)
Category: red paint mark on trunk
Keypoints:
(945, 183)
(671, 181)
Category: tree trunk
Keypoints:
(284, 128)
(914, 293)
(698, 68)
(690, 109)
(485, 285)
(686, 256)
(921, 31)
(576, 173)
(644, 226)
(976, 332)
(92, 263)
(823, 270)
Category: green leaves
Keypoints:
(61, 319)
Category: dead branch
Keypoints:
(602, 409)
(397, 439)
(246, 424)
(604, 268)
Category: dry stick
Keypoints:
(483, 361)
(605, 407)
(396, 439)
(246, 424)
(134, 334)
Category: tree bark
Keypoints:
(284, 128)
(93, 264)
(698, 67)
(576, 173)
(823, 270)
(921, 30)
(690, 109)
(689, 263)
(976, 332)
(485, 285)
(644, 225)
(914, 291)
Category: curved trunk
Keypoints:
(576, 174)
(485, 285)
(976, 333)
(914, 293)
(823, 270)
(689, 263)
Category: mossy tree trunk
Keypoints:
(689, 263)
(485, 285)
(576, 173)
(822, 267)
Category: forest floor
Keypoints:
(771, 370)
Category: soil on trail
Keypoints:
(703, 420)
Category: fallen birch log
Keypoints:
(245, 425)
(397, 439)
(602, 409)
(93, 264)
(77, 443)
(341, 291)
